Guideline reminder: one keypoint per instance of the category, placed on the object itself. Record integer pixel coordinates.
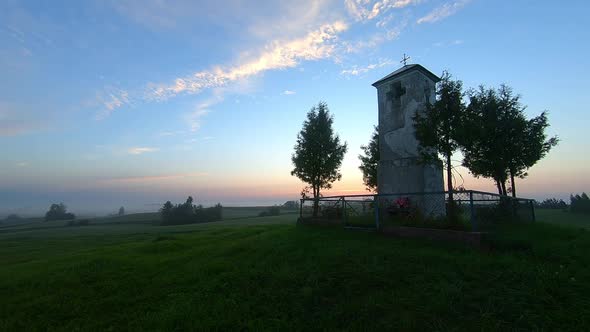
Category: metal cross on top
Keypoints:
(405, 59)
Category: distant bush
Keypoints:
(187, 213)
(332, 212)
(271, 211)
(121, 211)
(580, 203)
(81, 222)
(58, 212)
(552, 203)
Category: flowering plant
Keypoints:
(403, 202)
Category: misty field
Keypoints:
(268, 273)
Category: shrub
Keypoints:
(332, 212)
(271, 211)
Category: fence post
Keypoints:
(376, 207)
(472, 212)
(532, 202)
(343, 211)
(301, 209)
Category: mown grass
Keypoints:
(561, 217)
(246, 275)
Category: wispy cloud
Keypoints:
(195, 117)
(111, 100)
(152, 178)
(279, 54)
(387, 32)
(22, 164)
(170, 133)
(288, 92)
(316, 45)
(356, 70)
(443, 11)
(141, 150)
(450, 43)
(365, 10)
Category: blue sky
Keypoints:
(109, 103)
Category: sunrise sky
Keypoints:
(134, 102)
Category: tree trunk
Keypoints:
(315, 201)
(499, 187)
(449, 178)
(512, 184)
(451, 208)
(504, 192)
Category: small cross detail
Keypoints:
(405, 59)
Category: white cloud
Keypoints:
(365, 10)
(316, 45)
(289, 92)
(443, 11)
(22, 164)
(141, 150)
(355, 70)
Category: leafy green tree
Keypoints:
(318, 153)
(530, 146)
(370, 161)
(439, 129)
(499, 142)
(484, 137)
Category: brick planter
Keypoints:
(470, 238)
(320, 221)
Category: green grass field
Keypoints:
(562, 218)
(268, 273)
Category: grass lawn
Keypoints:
(267, 273)
(560, 217)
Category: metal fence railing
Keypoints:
(468, 210)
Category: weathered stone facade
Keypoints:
(401, 95)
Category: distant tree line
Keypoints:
(291, 205)
(552, 203)
(580, 203)
(187, 213)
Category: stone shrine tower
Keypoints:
(401, 95)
